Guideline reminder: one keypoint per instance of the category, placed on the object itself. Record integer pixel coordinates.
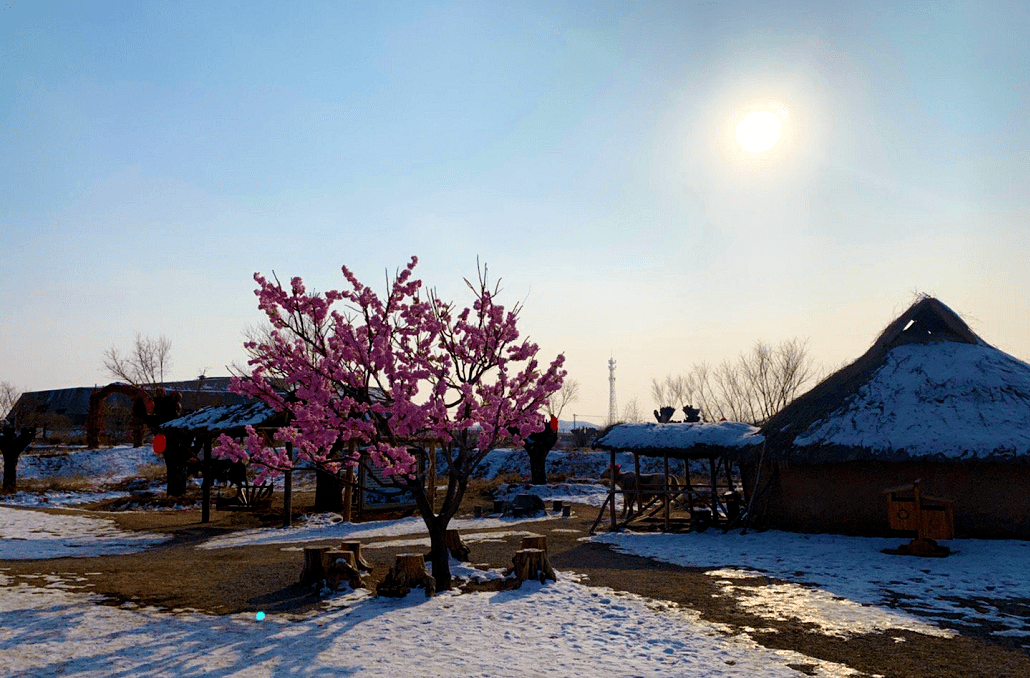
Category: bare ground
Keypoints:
(177, 576)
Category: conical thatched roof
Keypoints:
(929, 387)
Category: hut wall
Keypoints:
(992, 500)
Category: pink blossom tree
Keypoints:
(387, 377)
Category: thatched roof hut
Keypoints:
(929, 400)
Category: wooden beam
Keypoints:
(205, 506)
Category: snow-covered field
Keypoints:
(829, 579)
(561, 629)
(841, 585)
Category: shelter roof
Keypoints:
(228, 419)
(680, 440)
(929, 387)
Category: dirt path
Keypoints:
(178, 575)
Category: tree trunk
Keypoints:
(11, 471)
(538, 466)
(176, 453)
(328, 492)
(439, 556)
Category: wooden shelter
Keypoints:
(718, 499)
(930, 401)
(201, 428)
(373, 492)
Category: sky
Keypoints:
(154, 156)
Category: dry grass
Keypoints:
(56, 484)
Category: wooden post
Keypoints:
(556, 506)
(637, 497)
(288, 490)
(205, 507)
(715, 490)
(611, 492)
(348, 487)
(665, 526)
(566, 511)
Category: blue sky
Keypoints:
(153, 156)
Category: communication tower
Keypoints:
(613, 410)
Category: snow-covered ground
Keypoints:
(827, 578)
(28, 534)
(560, 629)
(841, 585)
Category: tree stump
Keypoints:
(408, 572)
(355, 548)
(532, 564)
(499, 505)
(340, 566)
(314, 571)
(456, 547)
(535, 543)
(566, 511)
(477, 511)
(557, 505)
(331, 566)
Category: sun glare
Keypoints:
(758, 131)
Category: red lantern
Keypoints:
(159, 443)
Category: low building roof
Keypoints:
(231, 419)
(682, 441)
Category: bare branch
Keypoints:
(9, 395)
(145, 365)
(568, 393)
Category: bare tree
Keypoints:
(673, 391)
(568, 393)
(631, 412)
(752, 388)
(9, 395)
(144, 365)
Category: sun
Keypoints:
(759, 131)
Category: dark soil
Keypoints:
(178, 576)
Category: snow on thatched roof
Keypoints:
(224, 419)
(680, 440)
(928, 388)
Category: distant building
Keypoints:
(70, 406)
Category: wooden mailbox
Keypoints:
(909, 510)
